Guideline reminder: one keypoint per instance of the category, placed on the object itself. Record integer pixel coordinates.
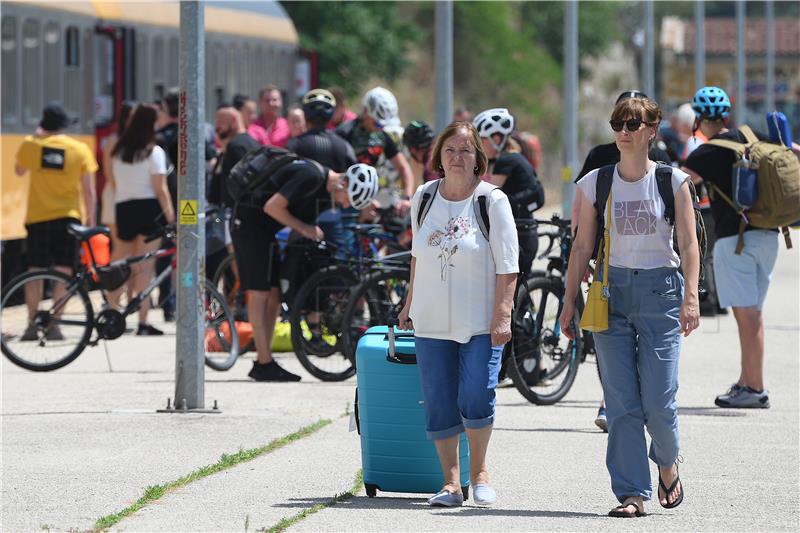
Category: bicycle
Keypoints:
(545, 361)
(60, 327)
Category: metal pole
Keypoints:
(190, 354)
(699, 44)
(649, 50)
(741, 59)
(770, 97)
(444, 63)
(570, 127)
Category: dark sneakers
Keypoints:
(148, 330)
(739, 397)
(271, 371)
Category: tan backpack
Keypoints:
(778, 182)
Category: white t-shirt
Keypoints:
(134, 180)
(455, 275)
(640, 237)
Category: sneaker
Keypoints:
(484, 495)
(504, 382)
(169, 315)
(601, 421)
(31, 333)
(739, 397)
(148, 330)
(446, 499)
(54, 333)
(271, 371)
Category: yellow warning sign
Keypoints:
(187, 212)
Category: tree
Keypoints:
(356, 41)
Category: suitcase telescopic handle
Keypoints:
(393, 357)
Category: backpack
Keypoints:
(766, 185)
(249, 178)
(605, 177)
(479, 203)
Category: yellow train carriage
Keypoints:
(91, 56)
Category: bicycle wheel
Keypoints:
(316, 320)
(54, 333)
(221, 339)
(226, 281)
(380, 297)
(545, 362)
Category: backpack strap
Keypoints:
(481, 207)
(605, 176)
(748, 134)
(428, 194)
(664, 183)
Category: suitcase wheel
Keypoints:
(465, 492)
(372, 490)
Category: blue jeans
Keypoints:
(458, 383)
(638, 356)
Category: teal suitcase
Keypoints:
(396, 454)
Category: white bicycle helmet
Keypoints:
(362, 185)
(491, 121)
(380, 104)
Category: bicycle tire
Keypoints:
(325, 293)
(226, 281)
(538, 344)
(384, 300)
(77, 327)
(221, 339)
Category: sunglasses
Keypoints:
(633, 124)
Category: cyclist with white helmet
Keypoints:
(513, 174)
(371, 142)
(296, 194)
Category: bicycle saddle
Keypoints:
(85, 232)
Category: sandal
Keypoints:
(619, 511)
(669, 491)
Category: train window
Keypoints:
(231, 78)
(142, 68)
(53, 79)
(104, 79)
(157, 65)
(32, 73)
(73, 49)
(172, 62)
(245, 86)
(10, 65)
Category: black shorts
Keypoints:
(138, 217)
(50, 244)
(256, 249)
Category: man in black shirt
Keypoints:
(324, 147)
(235, 144)
(296, 194)
(742, 279)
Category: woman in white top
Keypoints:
(649, 306)
(459, 304)
(139, 168)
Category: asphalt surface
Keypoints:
(83, 442)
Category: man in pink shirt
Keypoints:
(271, 103)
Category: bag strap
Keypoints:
(748, 134)
(739, 148)
(664, 183)
(605, 250)
(480, 205)
(427, 199)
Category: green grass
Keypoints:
(226, 461)
(288, 522)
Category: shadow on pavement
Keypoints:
(550, 430)
(709, 411)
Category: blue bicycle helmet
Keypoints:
(711, 103)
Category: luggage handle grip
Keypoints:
(393, 357)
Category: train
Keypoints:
(90, 56)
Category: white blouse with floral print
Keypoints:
(454, 282)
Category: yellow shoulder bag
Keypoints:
(595, 314)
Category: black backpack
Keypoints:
(248, 180)
(605, 177)
(479, 204)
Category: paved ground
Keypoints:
(83, 442)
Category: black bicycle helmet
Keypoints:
(318, 104)
(418, 135)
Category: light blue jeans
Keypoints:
(638, 356)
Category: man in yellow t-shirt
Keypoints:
(61, 191)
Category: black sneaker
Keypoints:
(169, 315)
(271, 371)
(148, 330)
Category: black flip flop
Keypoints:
(670, 490)
(618, 513)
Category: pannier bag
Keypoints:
(113, 275)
